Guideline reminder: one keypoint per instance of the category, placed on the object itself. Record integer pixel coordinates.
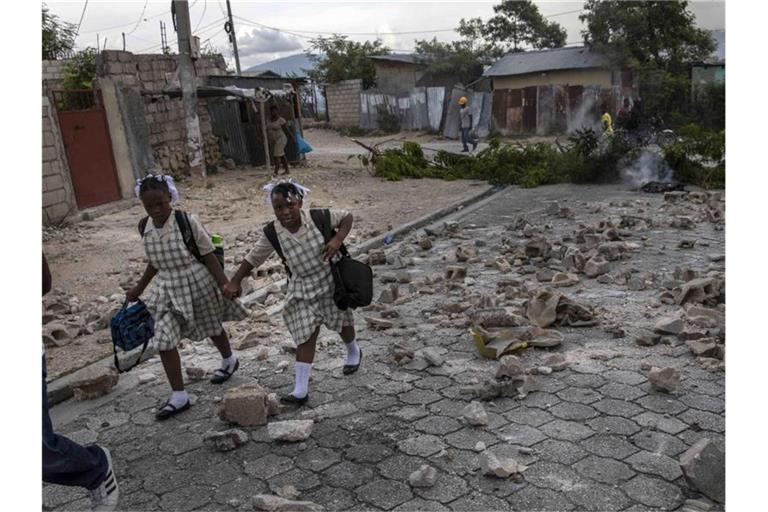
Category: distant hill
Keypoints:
(293, 65)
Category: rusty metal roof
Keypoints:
(520, 63)
(398, 57)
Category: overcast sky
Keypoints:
(297, 21)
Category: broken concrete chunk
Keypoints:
(94, 382)
(492, 465)
(226, 440)
(648, 339)
(245, 405)
(455, 273)
(425, 476)
(664, 379)
(465, 253)
(497, 317)
(389, 294)
(425, 243)
(703, 466)
(431, 356)
(195, 372)
(705, 347)
(538, 248)
(557, 362)
(291, 430)
(562, 279)
(268, 503)
(511, 368)
(475, 414)
(377, 257)
(669, 325)
(595, 266)
(378, 324)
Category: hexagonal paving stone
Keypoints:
(346, 475)
(522, 435)
(564, 452)
(447, 407)
(584, 380)
(704, 387)
(571, 411)
(167, 481)
(424, 445)
(434, 383)
(704, 402)
(378, 403)
(392, 388)
(330, 497)
(615, 447)
(399, 467)
(478, 503)
(467, 438)
(580, 395)
(625, 377)
(446, 489)
(659, 442)
(656, 464)
(384, 493)
(621, 391)
(662, 403)
(368, 453)
(419, 505)
(420, 397)
(669, 425)
(438, 425)
(690, 437)
(529, 416)
(614, 425)
(242, 488)
(552, 476)
(567, 430)
(533, 498)
(541, 400)
(654, 492)
(607, 471)
(217, 474)
(597, 497)
(616, 407)
(409, 414)
(551, 385)
(317, 459)
(299, 478)
(705, 420)
(267, 466)
(455, 461)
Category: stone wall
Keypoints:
(164, 116)
(344, 102)
(53, 74)
(58, 195)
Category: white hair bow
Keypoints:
(270, 186)
(168, 179)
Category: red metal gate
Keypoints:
(88, 146)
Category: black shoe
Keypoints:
(465, 150)
(474, 146)
(168, 410)
(221, 376)
(349, 369)
(292, 400)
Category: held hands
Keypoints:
(232, 290)
(331, 248)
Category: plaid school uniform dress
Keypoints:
(185, 299)
(309, 295)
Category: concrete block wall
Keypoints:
(58, 194)
(343, 100)
(53, 74)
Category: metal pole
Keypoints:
(123, 41)
(189, 90)
(262, 106)
(234, 38)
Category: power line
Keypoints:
(561, 13)
(82, 15)
(206, 28)
(222, 8)
(205, 7)
(138, 22)
(104, 29)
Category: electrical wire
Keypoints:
(205, 7)
(105, 29)
(206, 28)
(82, 15)
(141, 16)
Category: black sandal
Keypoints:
(169, 410)
(349, 369)
(221, 376)
(292, 400)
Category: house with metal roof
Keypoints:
(556, 90)
(712, 69)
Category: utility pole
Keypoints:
(233, 38)
(123, 41)
(180, 9)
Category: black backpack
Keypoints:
(182, 219)
(352, 279)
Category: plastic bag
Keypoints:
(304, 146)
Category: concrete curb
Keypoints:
(378, 241)
(60, 389)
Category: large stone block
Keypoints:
(245, 405)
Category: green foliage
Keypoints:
(338, 59)
(698, 157)
(709, 106)
(518, 23)
(662, 33)
(388, 122)
(456, 58)
(58, 36)
(80, 70)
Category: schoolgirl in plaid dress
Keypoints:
(186, 300)
(309, 296)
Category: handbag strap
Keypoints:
(117, 361)
(322, 220)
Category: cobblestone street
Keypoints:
(594, 436)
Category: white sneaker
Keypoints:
(104, 497)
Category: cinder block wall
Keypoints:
(343, 101)
(58, 195)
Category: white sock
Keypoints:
(301, 388)
(353, 353)
(228, 363)
(179, 398)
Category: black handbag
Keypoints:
(353, 280)
(131, 327)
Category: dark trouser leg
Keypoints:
(64, 461)
(172, 366)
(465, 138)
(222, 344)
(285, 164)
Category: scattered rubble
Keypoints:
(95, 382)
(226, 440)
(425, 476)
(245, 405)
(268, 503)
(492, 465)
(291, 430)
(664, 379)
(475, 414)
(669, 325)
(703, 466)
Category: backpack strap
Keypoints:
(143, 225)
(271, 233)
(322, 220)
(182, 219)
